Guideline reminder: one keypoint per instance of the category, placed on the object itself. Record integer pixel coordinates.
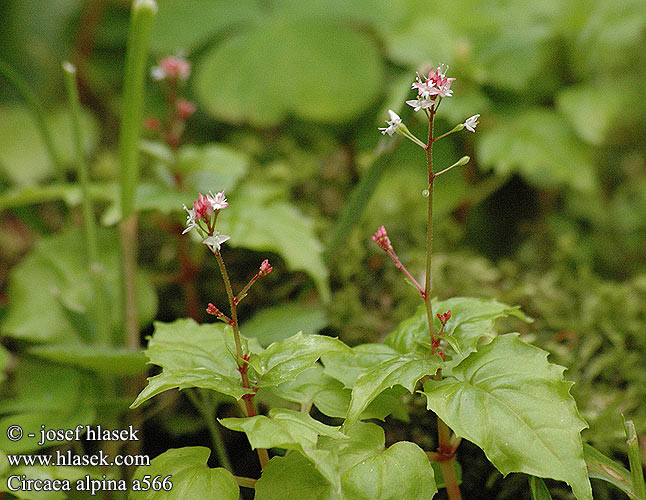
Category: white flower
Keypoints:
(157, 73)
(394, 122)
(471, 123)
(418, 104)
(215, 241)
(190, 220)
(217, 201)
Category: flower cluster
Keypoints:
(174, 69)
(172, 72)
(431, 87)
(202, 217)
(381, 238)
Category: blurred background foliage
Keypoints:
(549, 213)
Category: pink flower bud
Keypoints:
(265, 268)
(153, 124)
(381, 239)
(184, 109)
(202, 207)
(211, 309)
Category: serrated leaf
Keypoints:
(405, 370)
(100, 359)
(193, 355)
(511, 402)
(471, 319)
(540, 146)
(287, 57)
(54, 280)
(283, 361)
(283, 428)
(278, 322)
(191, 477)
(340, 468)
(401, 471)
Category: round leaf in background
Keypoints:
(317, 71)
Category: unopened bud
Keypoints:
(184, 108)
(153, 124)
(265, 268)
(381, 239)
(211, 309)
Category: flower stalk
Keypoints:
(431, 90)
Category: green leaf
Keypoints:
(278, 322)
(348, 366)
(4, 360)
(356, 468)
(471, 319)
(101, 359)
(538, 490)
(405, 370)
(313, 386)
(53, 281)
(287, 58)
(540, 146)
(401, 471)
(592, 118)
(511, 402)
(44, 393)
(275, 226)
(211, 167)
(283, 428)
(283, 361)
(291, 477)
(606, 469)
(23, 157)
(192, 355)
(181, 25)
(191, 477)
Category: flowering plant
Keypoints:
(494, 390)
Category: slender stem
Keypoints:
(232, 306)
(89, 221)
(246, 482)
(249, 409)
(246, 288)
(401, 266)
(141, 21)
(429, 228)
(27, 94)
(206, 410)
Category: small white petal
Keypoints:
(471, 123)
(214, 242)
(418, 104)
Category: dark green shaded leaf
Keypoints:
(279, 322)
(101, 359)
